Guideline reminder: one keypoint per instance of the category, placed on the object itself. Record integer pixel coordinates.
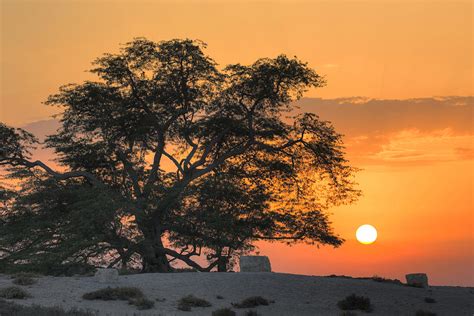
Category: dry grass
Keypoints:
(112, 294)
(224, 312)
(11, 309)
(430, 300)
(252, 301)
(133, 295)
(379, 279)
(187, 302)
(14, 292)
(354, 302)
(24, 281)
(142, 303)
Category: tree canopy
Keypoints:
(167, 156)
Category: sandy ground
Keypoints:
(293, 294)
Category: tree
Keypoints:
(167, 103)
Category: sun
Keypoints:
(366, 234)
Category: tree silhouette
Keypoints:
(242, 168)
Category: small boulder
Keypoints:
(106, 275)
(255, 264)
(417, 279)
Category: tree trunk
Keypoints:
(222, 264)
(154, 259)
(157, 263)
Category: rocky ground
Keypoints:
(291, 294)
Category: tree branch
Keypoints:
(57, 175)
(131, 172)
(188, 261)
(176, 163)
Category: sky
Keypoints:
(399, 79)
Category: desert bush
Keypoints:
(251, 313)
(430, 300)
(250, 302)
(14, 292)
(133, 295)
(11, 309)
(183, 307)
(25, 275)
(224, 312)
(24, 281)
(187, 302)
(112, 294)
(219, 297)
(142, 303)
(377, 278)
(127, 271)
(339, 276)
(422, 312)
(354, 302)
(24, 278)
(348, 314)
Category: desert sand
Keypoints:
(293, 294)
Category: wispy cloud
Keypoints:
(416, 146)
(424, 130)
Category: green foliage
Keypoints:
(76, 216)
(13, 292)
(16, 144)
(355, 302)
(187, 302)
(241, 171)
(224, 312)
(250, 302)
(11, 309)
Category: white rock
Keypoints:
(417, 279)
(106, 275)
(255, 264)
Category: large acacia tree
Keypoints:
(174, 155)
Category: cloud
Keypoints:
(424, 130)
(415, 146)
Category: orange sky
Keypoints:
(416, 155)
